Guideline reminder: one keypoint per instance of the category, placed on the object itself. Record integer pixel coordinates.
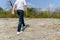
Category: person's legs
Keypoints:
(20, 13)
(23, 19)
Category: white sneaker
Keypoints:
(19, 32)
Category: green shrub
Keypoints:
(31, 14)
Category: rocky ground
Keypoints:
(40, 29)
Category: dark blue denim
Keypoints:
(21, 19)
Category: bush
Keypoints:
(31, 14)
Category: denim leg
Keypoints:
(23, 22)
(23, 19)
(20, 13)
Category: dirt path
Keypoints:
(40, 29)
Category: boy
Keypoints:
(21, 7)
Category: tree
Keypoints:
(10, 3)
(1, 9)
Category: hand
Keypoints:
(13, 12)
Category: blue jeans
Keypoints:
(21, 19)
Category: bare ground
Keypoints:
(40, 29)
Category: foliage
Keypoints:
(31, 14)
(1, 9)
